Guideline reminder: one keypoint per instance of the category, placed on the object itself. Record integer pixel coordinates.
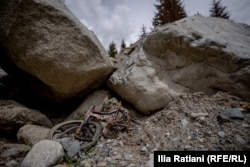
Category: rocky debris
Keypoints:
(15, 115)
(31, 134)
(192, 53)
(45, 153)
(96, 98)
(9, 151)
(172, 128)
(165, 131)
(64, 59)
(234, 113)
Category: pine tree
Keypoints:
(168, 11)
(143, 31)
(112, 51)
(217, 10)
(123, 44)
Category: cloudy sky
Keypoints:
(113, 20)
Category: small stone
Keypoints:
(196, 115)
(167, 134)
(117, 157)
(184, 122)
(187, 147)
(115, 142)
(102, 164)
(234, 113)
(88, 163)
(221, 134)
(144, 149)
(109, 140)
(201, 120)
(72, 147)
(222, 118)
(240, 140)
(11, 163)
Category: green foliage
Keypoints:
(168, 11)
(112, 51)
(217, 10)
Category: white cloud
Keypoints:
(109, 24)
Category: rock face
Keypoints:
(195, 53)
(14, 116)
(44, 43)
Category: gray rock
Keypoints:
(184, 122)
(31, 134)
(56, 54)
(12, 163)
(15, 115)
(198, 114)
(45, 153)
(222, 118)
(2, 73)
(12, 151)
(97, 98)
(71, 146)
(234, 113)
(240, 140)
(144, 150)
(221, 134)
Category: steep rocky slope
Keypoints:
(196, 53)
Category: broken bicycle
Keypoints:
(88, 130)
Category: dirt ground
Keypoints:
(195, 121)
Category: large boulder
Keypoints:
(43, 43)
(195, 53)
(15, 115)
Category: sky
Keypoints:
(114, 20)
